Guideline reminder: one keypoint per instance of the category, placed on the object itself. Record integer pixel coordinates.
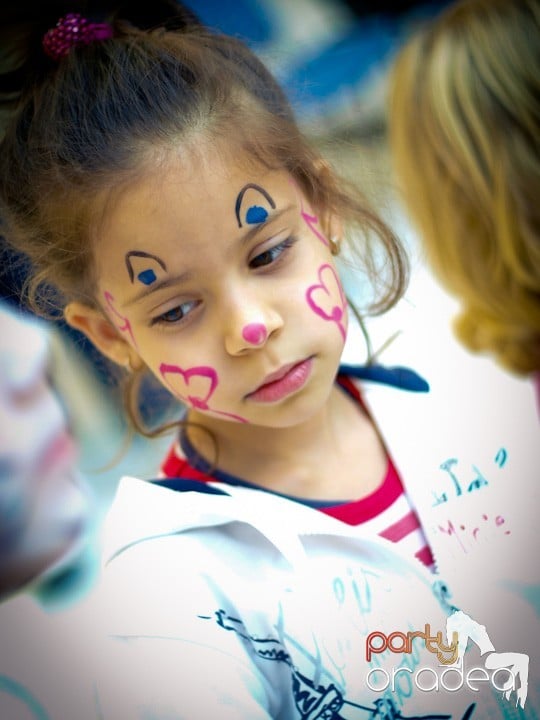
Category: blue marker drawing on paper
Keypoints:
(501, 457)
(12, 687)
(479, 480)
(447, 465)
(315, 698)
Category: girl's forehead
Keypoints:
(185, 202)
(179, 192)
(214, 176)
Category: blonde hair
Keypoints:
(464, 132)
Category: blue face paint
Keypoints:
(147, 277)
(256, 215)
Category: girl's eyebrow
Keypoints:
(256, 229)
(167, 282)
(162, 284)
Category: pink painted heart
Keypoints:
(327, 298)
(194, 385)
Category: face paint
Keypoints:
(327, 299)
(255, 333)
(195, 232)
(310, 220)
(124, 325)
(147, 277)
(194, 386)
(140, 262)
(255, 213)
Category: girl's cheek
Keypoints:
(120, 321)
(325, 298)
(195, 386)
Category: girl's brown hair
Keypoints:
(465, 128)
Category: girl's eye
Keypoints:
(268, 257)
(175, 314)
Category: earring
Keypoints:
(132, 365)
(335, 245)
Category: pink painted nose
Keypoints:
(254, 333)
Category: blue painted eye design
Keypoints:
(144, 267)
(255, 213)
(147, 277)
(271, 256)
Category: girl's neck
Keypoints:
(308, 460)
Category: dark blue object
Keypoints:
(187, 484)
(245, 19)
(399, 377)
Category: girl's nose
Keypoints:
(247, 334)
(255, 333)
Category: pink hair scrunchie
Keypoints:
(72, 30)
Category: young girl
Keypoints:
(156, 179)
(206, 257)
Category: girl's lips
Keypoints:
(287, 380)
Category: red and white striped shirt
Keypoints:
(386, 511)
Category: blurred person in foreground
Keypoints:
(44, 503)
(465, 129)
(464, 122)
(45, 518)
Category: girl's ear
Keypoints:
(102, 333)
(335, 234)
(332, 228)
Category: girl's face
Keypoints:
(220, 279)
(44, 505)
